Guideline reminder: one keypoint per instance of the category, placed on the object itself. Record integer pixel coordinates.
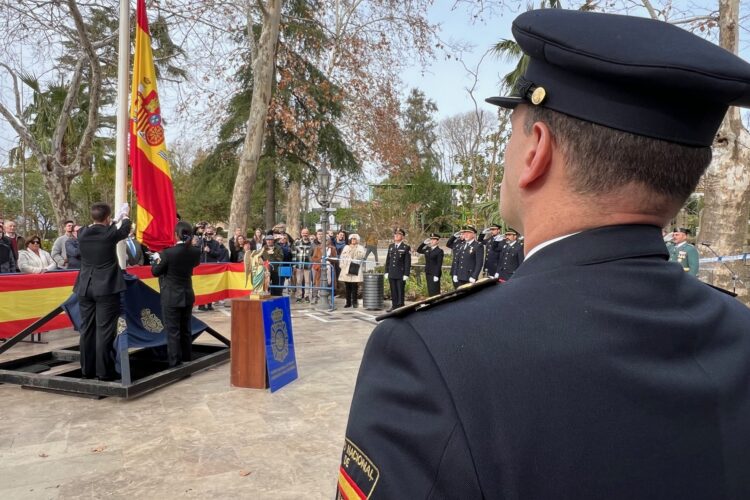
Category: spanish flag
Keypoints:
(152, 180)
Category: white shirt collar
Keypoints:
(680, 244)
(546, 244)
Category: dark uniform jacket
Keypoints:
(492, 250)
(615, 375)
(214, 250)
(468, 261)
(510, 258)
(433, 259)
(175, 273)
(99, 268)
(73, 253)
(398, 261)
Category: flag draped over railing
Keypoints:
(152, 180)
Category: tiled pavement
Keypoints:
(197, 438)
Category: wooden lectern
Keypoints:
(248, 344)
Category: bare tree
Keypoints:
(724, 220)
(56, 164)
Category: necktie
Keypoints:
(131, 247)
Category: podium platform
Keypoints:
(248, 358)
(262, 351)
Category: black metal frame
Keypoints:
(70, 381)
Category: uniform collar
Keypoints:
(603, 244)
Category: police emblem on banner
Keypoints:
(151, 321)
(279, 336)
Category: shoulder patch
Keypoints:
(358, 475)
(456, 294)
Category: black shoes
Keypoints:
(348, 305)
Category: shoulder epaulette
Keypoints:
(456, 294)
(722, 290)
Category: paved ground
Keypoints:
(198, 438)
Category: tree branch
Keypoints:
(23, 133)
(84, 147)
(251, 41)
(262, 8)
(70, 101)
(16, 91)
(650, 8)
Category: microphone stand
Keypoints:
(735, 278)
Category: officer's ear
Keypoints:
(537, 158)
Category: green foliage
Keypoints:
(39, 214)
(301, 131)
(413, 196)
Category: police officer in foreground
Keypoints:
(682, 252)
(398, 267)
(622, 377)
(469, 259)
(174, 268)
(433, 263)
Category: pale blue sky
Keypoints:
(445, 80)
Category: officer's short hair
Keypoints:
(100, 211)
(601, 160)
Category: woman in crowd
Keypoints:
(339, 242)
(257, 239)
(239, 243)
(351, 274)
(35, 260)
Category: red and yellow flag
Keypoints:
(152, 180)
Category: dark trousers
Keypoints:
(371, 250)
(275, 292)
(99, 317)
(433, 287)
(179, 334)
(397, 291)
(351, 293)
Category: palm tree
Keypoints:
(510, 51)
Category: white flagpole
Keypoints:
(121, 159)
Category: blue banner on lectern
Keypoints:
(281, 361)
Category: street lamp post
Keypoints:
(324, 181)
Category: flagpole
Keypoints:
(123, 121)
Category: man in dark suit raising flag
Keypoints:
(98, 287)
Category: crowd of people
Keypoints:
(489, 253)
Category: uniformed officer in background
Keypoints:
(433, 263)
(682, 252)
(614, 374)
(398, 267)
(511, 256)
(468, 262)
(493, 243)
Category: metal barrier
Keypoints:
(285, 270)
